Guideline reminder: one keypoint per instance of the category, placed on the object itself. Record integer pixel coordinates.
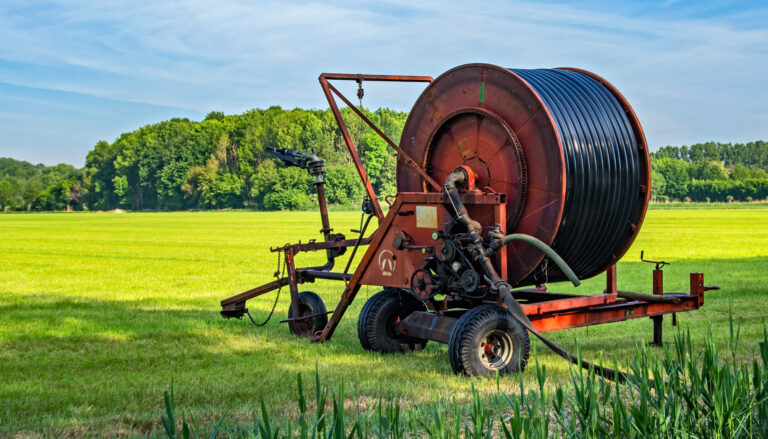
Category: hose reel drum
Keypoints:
(562, 144)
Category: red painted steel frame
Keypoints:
(329, 90)
(235, 306)
(402, 216)
(606, 308)
(547, 311)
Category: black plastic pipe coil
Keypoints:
(603, 171)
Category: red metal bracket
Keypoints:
(329, 90)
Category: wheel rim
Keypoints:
(303, 326)
(495, 349)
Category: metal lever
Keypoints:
(659, 264)
(311, 316)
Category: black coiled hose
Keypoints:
(603, 171)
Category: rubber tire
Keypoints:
(380, 312)
(309, 304)
(470, 330)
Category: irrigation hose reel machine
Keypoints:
(507, 180)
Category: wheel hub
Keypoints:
(303, 324)
(490, 349)
(496, 349)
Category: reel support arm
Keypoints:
(329, 90)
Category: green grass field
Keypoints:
(99, 312)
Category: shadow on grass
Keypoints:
(68, 361)
(77, 318)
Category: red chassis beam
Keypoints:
(547, 311)
(566, 311)
(546, 316)
(573, 312)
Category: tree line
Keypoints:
(24, 186)
(710, 172)
(216, 163)
(220, 162)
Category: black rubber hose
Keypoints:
(517, 312)
(602, 171)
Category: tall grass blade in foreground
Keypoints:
(673, 393)
(187, 431)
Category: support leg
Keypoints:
(349, 295)
(611, 283)
(658, 289)
(657, 331)
(292, 284)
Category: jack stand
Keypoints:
(658, 289)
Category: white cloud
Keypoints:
(686, 76)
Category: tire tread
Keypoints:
(367, 332)
(471, 322)
(318, 306)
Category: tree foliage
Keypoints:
(711, 172)
(216, 163)
(22, 184)
(220, 162)
(752, 154)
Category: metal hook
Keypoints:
(659, 264)
(360, 91)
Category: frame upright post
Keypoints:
(658, 289)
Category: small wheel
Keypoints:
(380, 314)
(310, 304)
(487, 339)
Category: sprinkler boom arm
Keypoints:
(304, 160)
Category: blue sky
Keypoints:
(75, 72)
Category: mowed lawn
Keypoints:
(100, 311)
